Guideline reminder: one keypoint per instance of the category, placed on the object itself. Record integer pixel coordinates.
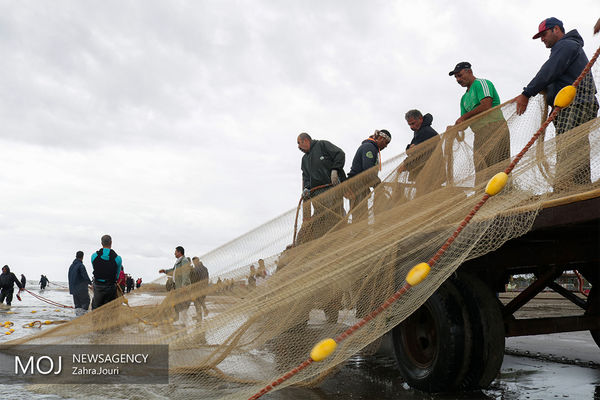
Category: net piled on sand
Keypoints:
(345, 262)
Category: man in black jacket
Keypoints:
(419, 150)
(7, 288)
(367, 156)
(567, 60)
(78, 285)
(322, 168)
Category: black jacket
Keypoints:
(8, 279)
(424, 132)
(366, 157)
(78, 277)
(317, 164)
(567, 60)
(416, 160)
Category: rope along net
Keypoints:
(345, 262)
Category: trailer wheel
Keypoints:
(430, 344)
(593, 308)
(487, 332)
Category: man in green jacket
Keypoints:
(181, 276)
(322, 168)
(491, 143)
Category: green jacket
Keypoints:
(317, 164)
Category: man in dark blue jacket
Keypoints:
(78, 285)
(419, 150)
(567, 60)
(367, 156)
(322, 168)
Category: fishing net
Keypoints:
(327, 265)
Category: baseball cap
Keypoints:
(546, 24)
(459, 66)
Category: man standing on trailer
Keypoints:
(322, 167)
(567, 60)
(368, 155)
(418, 152)
(491, 143)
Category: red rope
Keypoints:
(51, 302)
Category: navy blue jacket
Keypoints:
(424, 132)
(317, 164)
(567, 60)
(366, 157)
(416, 160)
(78, 277)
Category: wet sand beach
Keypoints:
(563, 365)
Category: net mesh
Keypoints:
(350, 250)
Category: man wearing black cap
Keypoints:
(567, 60)
(491, 143)
(367, 156)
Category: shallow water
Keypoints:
(31, 309)
(361, 378)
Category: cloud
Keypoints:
(175, 123)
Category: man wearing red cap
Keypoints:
(567, 60)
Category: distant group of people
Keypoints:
(8, 280)
(323, 163)
(260, 273)
(126, 283)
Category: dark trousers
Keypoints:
(568, 174)
(359, 204)
(81, 299)
(491, 145)
(6, 293)
(329, 210)
(103, 293)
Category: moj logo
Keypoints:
(44, 365)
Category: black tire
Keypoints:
(593, 309)
(487, 332)
(432, 345)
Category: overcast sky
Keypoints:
(168, 123)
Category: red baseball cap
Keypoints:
(546, 24)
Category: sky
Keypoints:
(167, 123)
